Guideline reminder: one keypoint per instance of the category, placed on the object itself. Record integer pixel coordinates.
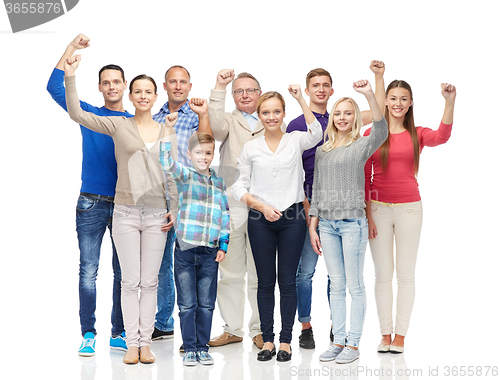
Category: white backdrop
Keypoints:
(425, 43)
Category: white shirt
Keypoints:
(275, 179)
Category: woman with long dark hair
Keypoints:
(394, 208)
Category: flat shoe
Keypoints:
(383, 347)
(396, 349)
(146, 356)
(265, 355)
(132, 356)
(284, 356)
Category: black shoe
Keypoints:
(265, 355)
(331, 335)
(284, 356)
(306, 339)
(181, 348)
(158, 334)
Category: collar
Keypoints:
(254, 115)
(318, 115)
(184, 108)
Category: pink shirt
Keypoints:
(398, 184)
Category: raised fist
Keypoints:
(199, 106)
(362, 86)
(170, 121)
(377, 67)
(80, 42)
(449, 91)
(71, 64)
(224, 77)
(295, 91)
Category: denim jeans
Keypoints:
(166, 288)
(286, 238)
(93, 216)
(195, 272)
(344, 245)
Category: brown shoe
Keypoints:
(132, 356)
(257, 339)
(223, 339)
(146, 356)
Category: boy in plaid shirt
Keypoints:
(202, 239)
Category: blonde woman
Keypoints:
(338, 208)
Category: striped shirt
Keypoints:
(187, 123)
(203, 218)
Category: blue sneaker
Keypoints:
(189, 359)
(118, 342)
(204, 358)
(88, 345)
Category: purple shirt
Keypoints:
(299, 124)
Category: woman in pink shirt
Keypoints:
(394, 209)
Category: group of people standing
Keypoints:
(282, 197)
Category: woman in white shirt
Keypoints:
(270, 182)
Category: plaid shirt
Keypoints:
(203, 218)
(187, 123)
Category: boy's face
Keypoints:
(319, 89)
(201, 156)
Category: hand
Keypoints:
(71, 64)
(271, 214)
(378, 67)
(372, 229)
(170, 121)
(224, 77)
(315, 242)
(199, 106)
(80, 42)
(295, 91)
(362, 86)
(170, 222)
(221, 255)
(449, 91)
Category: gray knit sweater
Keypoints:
(339, 177)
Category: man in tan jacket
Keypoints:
(233, 130)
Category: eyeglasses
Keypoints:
(249, 91)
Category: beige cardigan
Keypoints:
(135, 187)
(233, 131)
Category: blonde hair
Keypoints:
(269, 95)
(332, 132)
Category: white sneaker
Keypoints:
(331, 353)
(347, 355)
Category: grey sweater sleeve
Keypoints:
(377, 136)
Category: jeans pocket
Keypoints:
(413, 208)
(120, 211)
(85, 203)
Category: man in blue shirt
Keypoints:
(94, 210)
(192, 115)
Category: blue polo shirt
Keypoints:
(99, 172)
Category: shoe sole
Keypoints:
(86, 354)
(307, 346)
(189, 364)
(217, 344)
(163, 337)
(346, 362)
(113, 348)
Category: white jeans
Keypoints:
(140, 244)
(231, 287)
(402, 224)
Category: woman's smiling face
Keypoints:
(271, 114)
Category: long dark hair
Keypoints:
(409, 125)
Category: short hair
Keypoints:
(317, 73)
(269, 95)
(245, 75)
(177, 67)
(111, 67)
(142, 77)
(200, 138)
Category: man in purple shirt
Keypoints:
(319, 89)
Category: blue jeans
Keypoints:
(195, 273)
(305, 273)
(166, 289)
(93, 216)
(286, 237)
(344, 245)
